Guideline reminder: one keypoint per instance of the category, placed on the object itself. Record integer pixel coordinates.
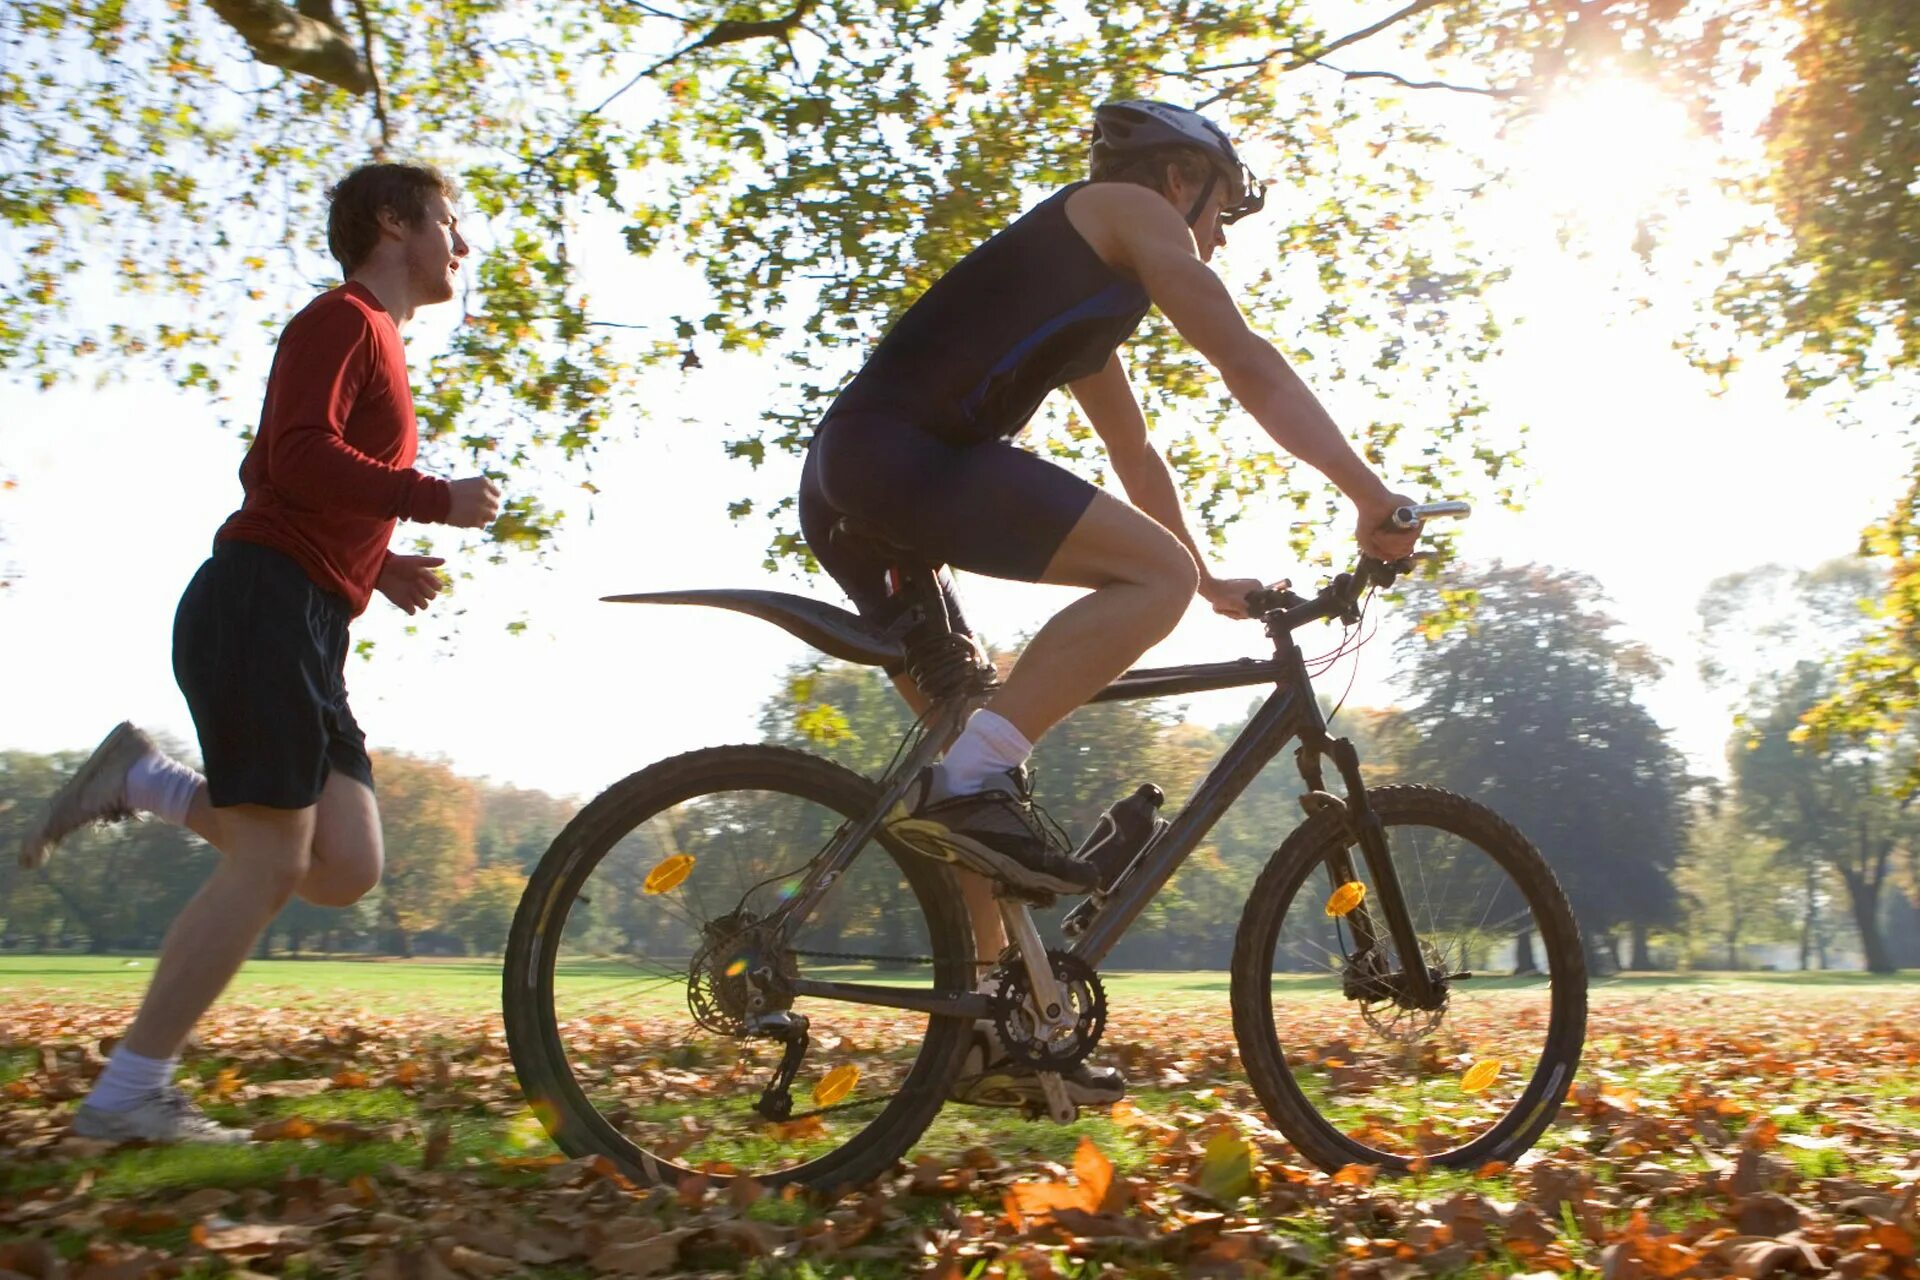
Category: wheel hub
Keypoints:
(740, 973)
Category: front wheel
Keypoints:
(1366, 1076)
(643, 970)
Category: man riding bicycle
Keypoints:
(917, 452)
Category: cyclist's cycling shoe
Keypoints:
(995, 832)
(989, 1080)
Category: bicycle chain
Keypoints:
(860, 955)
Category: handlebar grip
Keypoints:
(1410, 517)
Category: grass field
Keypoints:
(473, 986)
(401, 1145)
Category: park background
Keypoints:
(1631, 277)
(1637, 277)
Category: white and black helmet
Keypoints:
(1120, 128)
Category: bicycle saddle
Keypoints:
(853, 533)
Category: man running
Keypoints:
(260, 640)
(917, 448)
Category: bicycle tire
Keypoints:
(1306, 850)
(539, 1056)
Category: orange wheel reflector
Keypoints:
(737, 968)
(1480, 1075)
(1346, 898)
(668, 874)
(835, 1085)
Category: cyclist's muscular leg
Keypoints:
(1142, 580)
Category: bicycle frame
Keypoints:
(1290, 712)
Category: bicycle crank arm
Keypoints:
(1060, 1108)
(1052, 1015)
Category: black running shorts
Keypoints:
(989, 508)
(260, 653)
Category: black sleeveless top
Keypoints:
(1032, 309)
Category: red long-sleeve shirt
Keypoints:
(331, 469)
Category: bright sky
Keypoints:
(1640, 478)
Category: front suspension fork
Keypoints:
(1417, 984)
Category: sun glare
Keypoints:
(1608, 156)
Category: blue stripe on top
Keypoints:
(1115, 302)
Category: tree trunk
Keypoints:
(1523, 961)
(1809, 922)
(1863, 895)
(1640, 958)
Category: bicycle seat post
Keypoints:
(944, 662)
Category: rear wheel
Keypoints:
(641, 976)
(1363, 1076)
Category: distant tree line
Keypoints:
(1808, 854)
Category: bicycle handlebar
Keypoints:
(1340, 597)
(1410, 517)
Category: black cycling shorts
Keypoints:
(261, 654)
(988, 508)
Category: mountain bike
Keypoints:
(724, 965)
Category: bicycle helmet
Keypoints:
(1139, 125)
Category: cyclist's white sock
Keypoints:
(160, 785)
(989, 745)
(128, 1078)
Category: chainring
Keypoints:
(1013, 1015)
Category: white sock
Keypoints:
(989, 745)
(162, 786)
(129, 1078)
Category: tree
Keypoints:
(484, 913)
(815, 177)
(1734, 894)
(1777, 634)
(517, 825)
(428, 816)
(1842, 296)
(1831, 805)
(1532, 708)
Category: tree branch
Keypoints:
(307, 46)
(1418, 84)
(722, 33)
(373, 74)
(1300, 59)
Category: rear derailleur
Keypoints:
(740, 984)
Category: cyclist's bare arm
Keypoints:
(1114, 414)
(1135, 231)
